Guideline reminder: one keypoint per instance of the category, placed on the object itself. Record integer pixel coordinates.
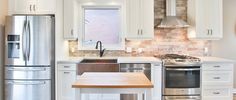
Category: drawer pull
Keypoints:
(66, 66)
(216, 92)
(217, 66)
(216, 77)
(66, 72)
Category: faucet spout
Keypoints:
(101, 51)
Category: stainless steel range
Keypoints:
(181, 77)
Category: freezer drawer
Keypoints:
(27, 73)
(27, 90)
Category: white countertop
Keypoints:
(138, 60)
(145, 59)
(119, 59)
(216, 60)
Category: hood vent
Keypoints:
(171, 20)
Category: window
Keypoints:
(102, 24)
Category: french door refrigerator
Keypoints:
(29, 58)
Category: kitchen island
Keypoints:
(116, 83)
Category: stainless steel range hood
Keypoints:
(171, 20)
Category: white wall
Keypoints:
(62, 52)
(3, 13)
(226, 47)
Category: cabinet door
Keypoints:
(156, 75)
(215, 18)
(206, 19)
(21, 6)
(147, 19)
(45, 7)
(69, 19)
(217, 93)
(140, 19)
(202, 19)
(65, 81)
(133, 16)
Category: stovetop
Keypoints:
(179, 60)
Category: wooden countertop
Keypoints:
(112, 80)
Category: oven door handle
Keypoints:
(183, 98)
(183, 69)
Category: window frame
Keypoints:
(120, 46)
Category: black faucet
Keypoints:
(101, 51)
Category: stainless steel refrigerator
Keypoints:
(29, 58)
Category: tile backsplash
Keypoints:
(165, 41)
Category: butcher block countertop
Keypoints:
(112, 80)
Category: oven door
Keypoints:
(182, 81)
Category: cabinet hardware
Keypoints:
(66, 72)
(30, 7)
(216, 92)
(216, 77)
(66, 66)
(72, 32)
(34, 7)
(208, 32)
(138, 31)
(211, 31)
(141, 32)
(217, 66)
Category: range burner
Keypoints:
(179, 60)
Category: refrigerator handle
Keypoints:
(29, 41)
(23, 40)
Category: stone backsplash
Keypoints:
(165, 41)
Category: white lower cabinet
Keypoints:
(217, 93)
(157, 81)
(217, 81)
(66, 76)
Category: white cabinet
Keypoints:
(217, 81)
(156, 75)
(66, 76)
(32, 6)
(140, 19)
(70, 12)
(206, 19)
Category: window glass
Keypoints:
(102, 24)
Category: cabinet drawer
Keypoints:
(217, 78)
(217, 93)
(66, 66)
(218, 67)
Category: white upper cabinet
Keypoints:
(69, 16)
(140, 19)
(206, 19)
(32, 6)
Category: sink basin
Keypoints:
(99, 61)
(97, 65)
